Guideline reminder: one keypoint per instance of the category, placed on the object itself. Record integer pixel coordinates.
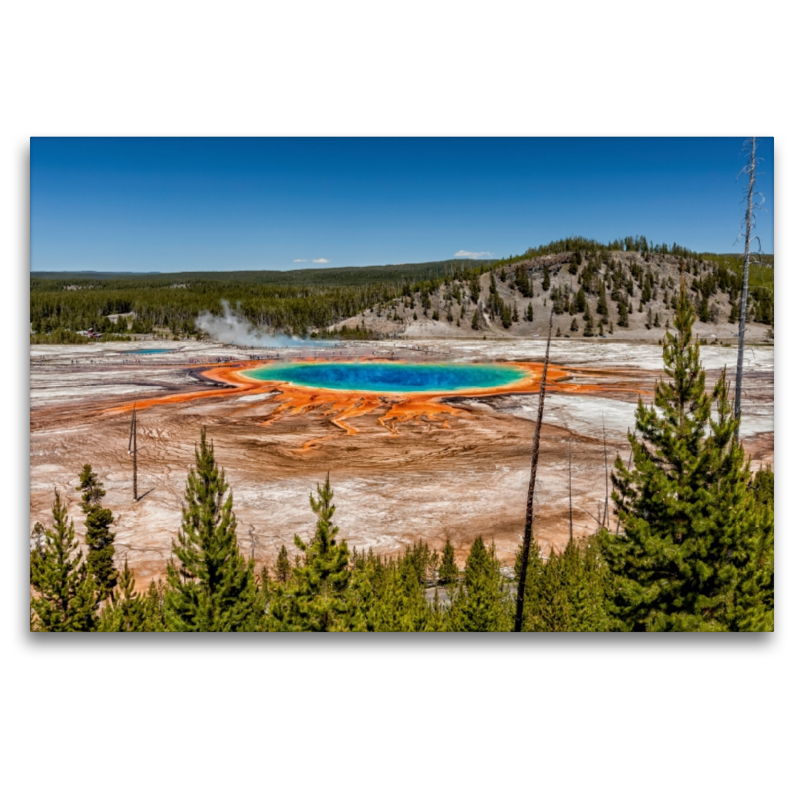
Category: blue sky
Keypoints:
(178, 204)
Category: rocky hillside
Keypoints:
(609, 294)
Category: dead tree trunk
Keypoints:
(570, 489)
(605, 464)
(748, 228)
(526, 539)
(132, 451)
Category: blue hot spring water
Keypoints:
(150, 352)
(390, 378)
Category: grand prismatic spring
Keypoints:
(421, 441)
(399, 378)
(399, 390)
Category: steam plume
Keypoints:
(233, 328)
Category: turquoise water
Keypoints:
(397, 378)
(148, 352)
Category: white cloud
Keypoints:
(469, 254)
(320, 260)
(300, 260)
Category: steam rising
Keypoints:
(233, 328)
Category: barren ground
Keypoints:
(427, 477)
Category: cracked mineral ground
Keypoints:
(402, 468)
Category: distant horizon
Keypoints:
(317, 267)
(163, 205)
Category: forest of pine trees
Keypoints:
(694, 550)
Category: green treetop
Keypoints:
(318, 598)
(689, 526)
(126, 612)
(283, 567)
(212, 587)
(99, 538)
(448, 570)
(481, 602)
(64, 593)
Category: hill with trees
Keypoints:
(597, 292)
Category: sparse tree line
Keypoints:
(693, 549)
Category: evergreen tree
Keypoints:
(584, 577)
(409, 607)
(574, 324)
(448, 570)
(602, 304)
(474, 289)
(701, 305)
(212, 588)
(523, 282)
(531, 608)
(64, 593)
(622, 309)
(690, 527)
(476, 321)
(99, 538)
(153, 604)
(755, 600)
(126, 611)
(265, 590)
(588, 329)
(318, 598)
(567, 592)
(546, 278)
(573, 264)
(389, 608)
(38, 541)
(283, 567)
(529, 312)
(552, 600)
(481, 602)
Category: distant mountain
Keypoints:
(90, 272)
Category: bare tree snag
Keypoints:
(132, 451)
(748, 229)
(570, 489)
(526, 540)
(605, 463)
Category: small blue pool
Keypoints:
(150, 352)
